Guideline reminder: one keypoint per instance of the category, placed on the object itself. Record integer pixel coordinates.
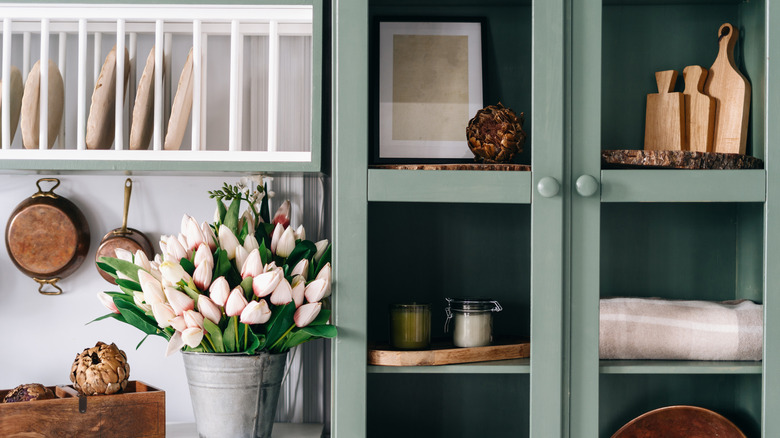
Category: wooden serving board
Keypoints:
(445, 353)
(699, 110)
(632, 158)
(464, 166)
(665, 115)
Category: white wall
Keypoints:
(41, 335)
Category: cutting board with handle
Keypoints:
(699, 110)
(665, 115)
(732, 95)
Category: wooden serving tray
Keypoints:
(136, 412)
(445, 353)
(634, 158)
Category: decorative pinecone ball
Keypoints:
(102, 369)
(495, 134)
(28, 392)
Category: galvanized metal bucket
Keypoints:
(234, 395)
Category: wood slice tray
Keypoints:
(633, 158)
(463, 166)
(136, 412)
(445, 353)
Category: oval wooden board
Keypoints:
(445, 353)
(30, 112)
(180, 110)
(679, 422)
(17, 90)
(100, 124)
(142, 125)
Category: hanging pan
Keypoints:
(47, 237)
(123, 238)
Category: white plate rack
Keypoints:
(256, 75)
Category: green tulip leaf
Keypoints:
(142, 341)
(136, 317)
(246, 285)
(106, 267)
(131, 285)
(323, 260)
(188, 266)
(295, 337)
(322, 318)
(229, 336)
(279, 323)
(231, 217)
(321, 331)
(265, 213)
(216, 335)
(121, 296)
(253, 342)
(128, 268)
(221, 211)
(116, 316)
(222, 263)
(262, 250)
(192, 293)
(243, 233)
(303, 249)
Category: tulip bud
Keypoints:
(174, 273)
(324, 274)
(300, 233)
(175, 344)
(209, 309)
(202, 275)
(322, 245)
(270, 267)
(282, 294)
(282, 215)
(250, 243)
(247, 219)
(151, 286)
(301, 268)
(163, 314)
(306, 314)
(179, 323)
(192, 233)
(286, 243)
(107, 301)
(193, 319)
(123, 254)
(219, 291)
(202, 254)
(265, 283)
(236, 302)
(179, 301)
(315, 291)
(138, 299)
(192, 336)
(298, 289)
(228, 241)
(253, 265)
(241, 256)
(275, 237)
(173, 251)
(208, 236)
(141, 260)
(256, 312)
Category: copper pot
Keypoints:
(125, 238)
(47, 237)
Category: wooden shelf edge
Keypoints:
(509, 366)
(679, 367)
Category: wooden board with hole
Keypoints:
(445, 353)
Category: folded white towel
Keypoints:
(651, 328)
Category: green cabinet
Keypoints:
(580, 70)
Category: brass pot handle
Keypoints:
(128, 189)
(50, 193)
(51, 282)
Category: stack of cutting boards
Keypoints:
(710, 115)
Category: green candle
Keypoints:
(410, 326)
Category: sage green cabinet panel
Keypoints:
(447, 405)
(676, 185)
(678, 367)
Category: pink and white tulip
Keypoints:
(178, 300)
(321, 246)
(265, 283)
(193, 319)
(324, 274)
(241, 256)
(175, 344)
(282, 294)
(202, 254)
(219, 291)
(138, 299)
(286, 243)
(209, 309)
(107, 301)
(163, 314)
(228, 241)
(282, 215)
(192, 337)
(298, 289)
(315, 291)
(141, 260)
(151, 286)
(174, 273)
(236, 302)
(250, 243)
(256, 312)
(202, 275)
(253, 265)
(123, 254)
(208, 236)
(248, 219)
(301, 268)
(300, 233)
(306, 314)
(173, 251)
(276, 236)
(179, 323)
(192, 233)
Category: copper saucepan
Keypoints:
(47, 237)
(125, 238)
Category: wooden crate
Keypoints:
(137, 412)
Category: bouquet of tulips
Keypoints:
(246, 283)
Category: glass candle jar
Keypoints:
(472, 320)
(410, 326)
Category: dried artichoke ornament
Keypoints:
(495, 134)
(102, 369)
(28, 392)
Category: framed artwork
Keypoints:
(430, 85)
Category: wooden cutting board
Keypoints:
(665, 115)
(181, 108)
(444, 353)
(17, 90)
(100, 123)
(732, 96)
(30, 112)
(699, 110)
(142, 127)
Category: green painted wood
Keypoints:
(678, 367)
(350, 156)
(584, 222)
(675, 185)
(512, 366)
(469, 186)
(547, 243)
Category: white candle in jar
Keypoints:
(472, 329)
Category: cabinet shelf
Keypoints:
(674, 185)
(461, 186)
(511, 366)
(678, 367)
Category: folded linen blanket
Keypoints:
(652, 328)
